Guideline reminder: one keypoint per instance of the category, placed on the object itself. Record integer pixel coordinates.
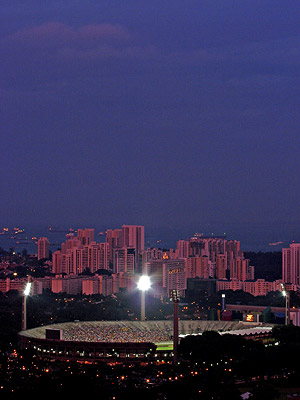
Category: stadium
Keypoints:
(123, 341)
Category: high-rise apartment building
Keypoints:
(241, 269)
(212, 247)
(221, 266)
(75, 260)
(43, 248)
(114, 240)
(86, 236)
(70, 244)
(182, 249)
(151, 254)
(198, 267)
(56, 262)
(134, 236)
(291, 264)
(97, 256)
(124, 260)
(174, 276)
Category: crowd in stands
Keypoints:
(136, 331)
(114, 333)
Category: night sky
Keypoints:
(158, 113)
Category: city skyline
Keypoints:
(83, 265)
(182, 115)
(255, 238)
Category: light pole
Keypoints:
(143, 285)
(286, 294)
(175, 298)
(24, 313)
(223, 302)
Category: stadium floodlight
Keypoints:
(26, 293)
(144, 284)
(175, 298)
(286, 294)
(27, 289)
(223, 301)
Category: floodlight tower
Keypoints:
(175, 298)
(26, 293)
(286, 294)
(143, 285)
(223, 301)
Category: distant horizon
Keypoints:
(255, 237)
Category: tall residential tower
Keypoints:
(291, 264)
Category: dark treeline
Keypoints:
(274, 360)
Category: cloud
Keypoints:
(102, 51)
(58, 42)
(59, 33)
(55, 51)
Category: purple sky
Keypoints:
(150, 112)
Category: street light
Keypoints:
(144, 284)
(24, 314)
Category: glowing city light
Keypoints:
(27, 289)
(144, 283)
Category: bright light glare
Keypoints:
(27, 289)
(283, 291)
(144, 283)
